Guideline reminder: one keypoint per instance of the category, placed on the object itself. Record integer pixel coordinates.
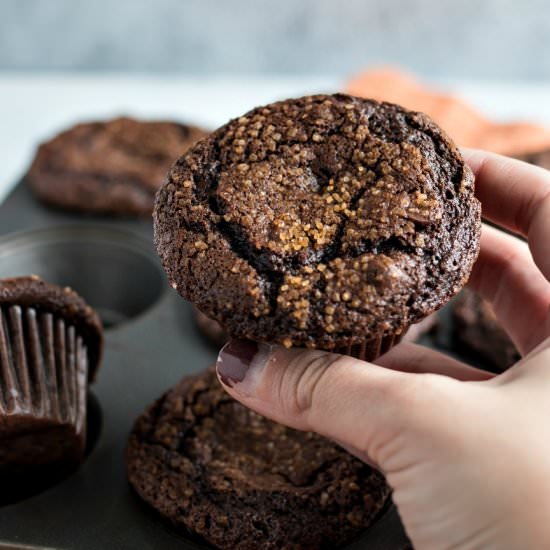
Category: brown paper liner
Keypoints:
(43, 386)
(369, 350)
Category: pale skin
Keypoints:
(467, 453)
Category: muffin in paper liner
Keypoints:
(50, 348)
(323, 222)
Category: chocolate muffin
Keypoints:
(328, 221)
(50, 348)
(240, 481)
(113, 167)
(478, 334)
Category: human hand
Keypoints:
(467, 454)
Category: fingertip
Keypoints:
(234, 361)
(240, 364)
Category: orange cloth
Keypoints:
(466, 126)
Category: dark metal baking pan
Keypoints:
(151, 342)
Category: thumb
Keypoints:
(366, 408)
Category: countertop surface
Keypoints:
(35, 107)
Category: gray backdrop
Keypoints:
(457, 38)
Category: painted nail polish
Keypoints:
(234, 360)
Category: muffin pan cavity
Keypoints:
(114, 270)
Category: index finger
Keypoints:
(515, 195)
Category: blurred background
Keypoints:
(484, 39)
(205, 61)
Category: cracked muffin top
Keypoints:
(111, 167)
(240, 481)
(322, 221)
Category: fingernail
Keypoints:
(235, 360)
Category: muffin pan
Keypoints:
(112, 268)
(150, 343)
